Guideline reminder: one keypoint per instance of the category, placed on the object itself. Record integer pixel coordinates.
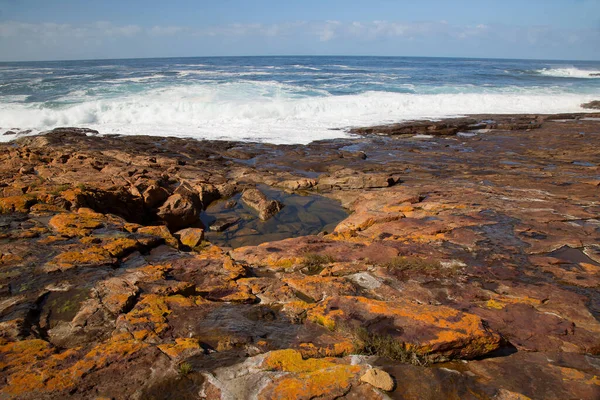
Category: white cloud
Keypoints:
(21, 40)
(165, 30)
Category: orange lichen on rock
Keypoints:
(32, 366)
(319, 286)
(77, 224)
(121, 246)
(92, 256)
(21, 353)
(427, 329)
(307, 379)
(499, 302)
(183, 347)
(16, 203)
(149, 314)
(117, 349)
(162, 232)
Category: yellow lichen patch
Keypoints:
(181, 301)
(436, 329)
(290, 360)
(16, 203)
(327, 382)
(181, 347)
(319, 315)
(33, 368)
(92, 256)
(149, 313)
(52, 239)
(121, 246)
(235, 270)
(590, 268)
(500, 302)
(160, 231)
(152, 273)
(118, 348)
(494, 304)
(131, 227)
(570, 374)
(76, 225)
(307, 379)
(23, 353)
(211, 252)
(285, 263)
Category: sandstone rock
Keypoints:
(191, 237)
(298, 184)
(433, 331)
(179, 212)
(88, 257)
(77, 224)
(378, 378)
(117, 294)
(341, 181)
(162, 232)
(16, 204)
(154, 195)
(257, 200)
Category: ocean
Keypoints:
(280, 99)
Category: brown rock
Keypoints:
(154, 195)
(160, 231)
(179, 212)
(437, 332)
(257, 200)
(346, 180)
(378, 378)
(592, 105)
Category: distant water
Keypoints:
(280, 99)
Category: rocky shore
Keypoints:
(456, 259)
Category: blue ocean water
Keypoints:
(280, 99)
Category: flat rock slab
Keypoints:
(434, 331)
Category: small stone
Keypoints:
(265, 207)
(379, 379)
(222, 224)
(191, 237)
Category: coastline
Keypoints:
(470, 246)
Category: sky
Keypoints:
(78, 29)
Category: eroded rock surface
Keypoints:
(469, 266)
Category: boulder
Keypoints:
(154, 195)
(191, 237)
(348, 180)
(379, 379)
(257, 200)
(179, 211)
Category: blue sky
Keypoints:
(69, 29)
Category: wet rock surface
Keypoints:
(468, 266)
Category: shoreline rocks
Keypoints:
(466, 264)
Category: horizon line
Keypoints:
(299, 55)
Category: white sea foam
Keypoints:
(270, 112)
(135, 79)
(299, 66)
(570, 73)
